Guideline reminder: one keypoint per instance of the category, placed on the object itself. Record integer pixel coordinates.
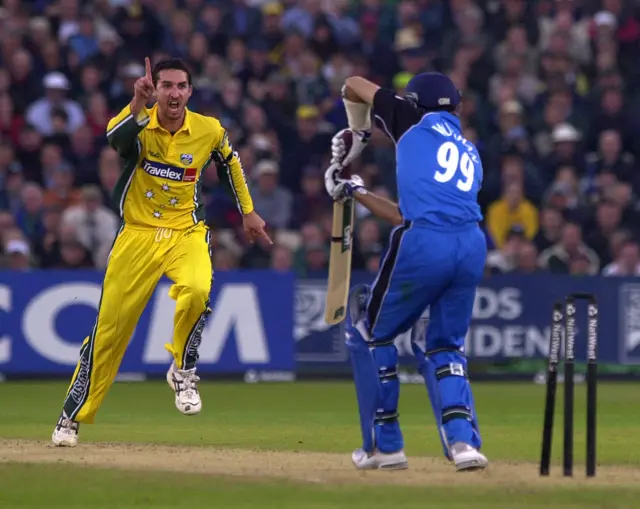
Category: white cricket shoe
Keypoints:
(184, 384)
(467, 458)
(379, 460)
(65, 434)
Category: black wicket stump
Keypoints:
(592, 374)
(569, 371)
(552, 383)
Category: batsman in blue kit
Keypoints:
(435, 261)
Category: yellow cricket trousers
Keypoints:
(139, 258)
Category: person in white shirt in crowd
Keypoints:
(627, 263)
(38, 114)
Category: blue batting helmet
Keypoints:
(432, 90)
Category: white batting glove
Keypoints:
(340, 154)
(339, 188)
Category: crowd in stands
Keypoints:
(551, 97)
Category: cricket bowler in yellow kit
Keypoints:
(164, 150)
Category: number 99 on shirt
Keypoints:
(450, 160)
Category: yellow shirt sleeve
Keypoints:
(232, 170)
(123, 129)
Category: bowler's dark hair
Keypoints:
(176, 64)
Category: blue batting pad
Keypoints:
(387, 428)
(376, 380)
(426, 369)
(457, 409)
(365, 378)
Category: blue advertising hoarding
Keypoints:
(44, 317)
(271, 322)
(511, 320)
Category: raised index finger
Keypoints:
(147, 67)
(265, 236)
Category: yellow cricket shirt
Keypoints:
(160, 185)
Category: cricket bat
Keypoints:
(340, 261)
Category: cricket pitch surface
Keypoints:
(294, 466)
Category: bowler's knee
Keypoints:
(196, 294)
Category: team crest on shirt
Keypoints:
(186, 158)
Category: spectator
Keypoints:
(315, 261)
(83, 40)
(47, 248)
(73, 253)
(274, 202)
(581, 265)
(8, 167)
(98, 114)
(621, 194)
(61, 190)
(563, 194)
(305, 147)
(610, 114)
(568, 22)
(551, 223)
(607, 221)
(611, 159)
(51, 158)
(24, 87)
(258, 68)
(211, 24)
(83, 155)
(512, 209)
(311, 235)
(616, 241)
(368, 242)
(7, 222)
(565, 151)
(313, 200)
(511, 130)
(28, 152)
(627, 263)
(224, 259)
(95, 224)
(108, 174)
(372, 257)
(527, 259)
(560, 258)
(281, 258)
(513, 169)
(345, 28)
(29, 214)
(18, 255)
(242, 19)
(505, 259)
(256, 256)
(39, 114)
(10, 122)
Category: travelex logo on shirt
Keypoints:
(166, 171)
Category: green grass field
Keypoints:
(288, 445)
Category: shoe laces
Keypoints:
(189, 382)
(66, 423)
